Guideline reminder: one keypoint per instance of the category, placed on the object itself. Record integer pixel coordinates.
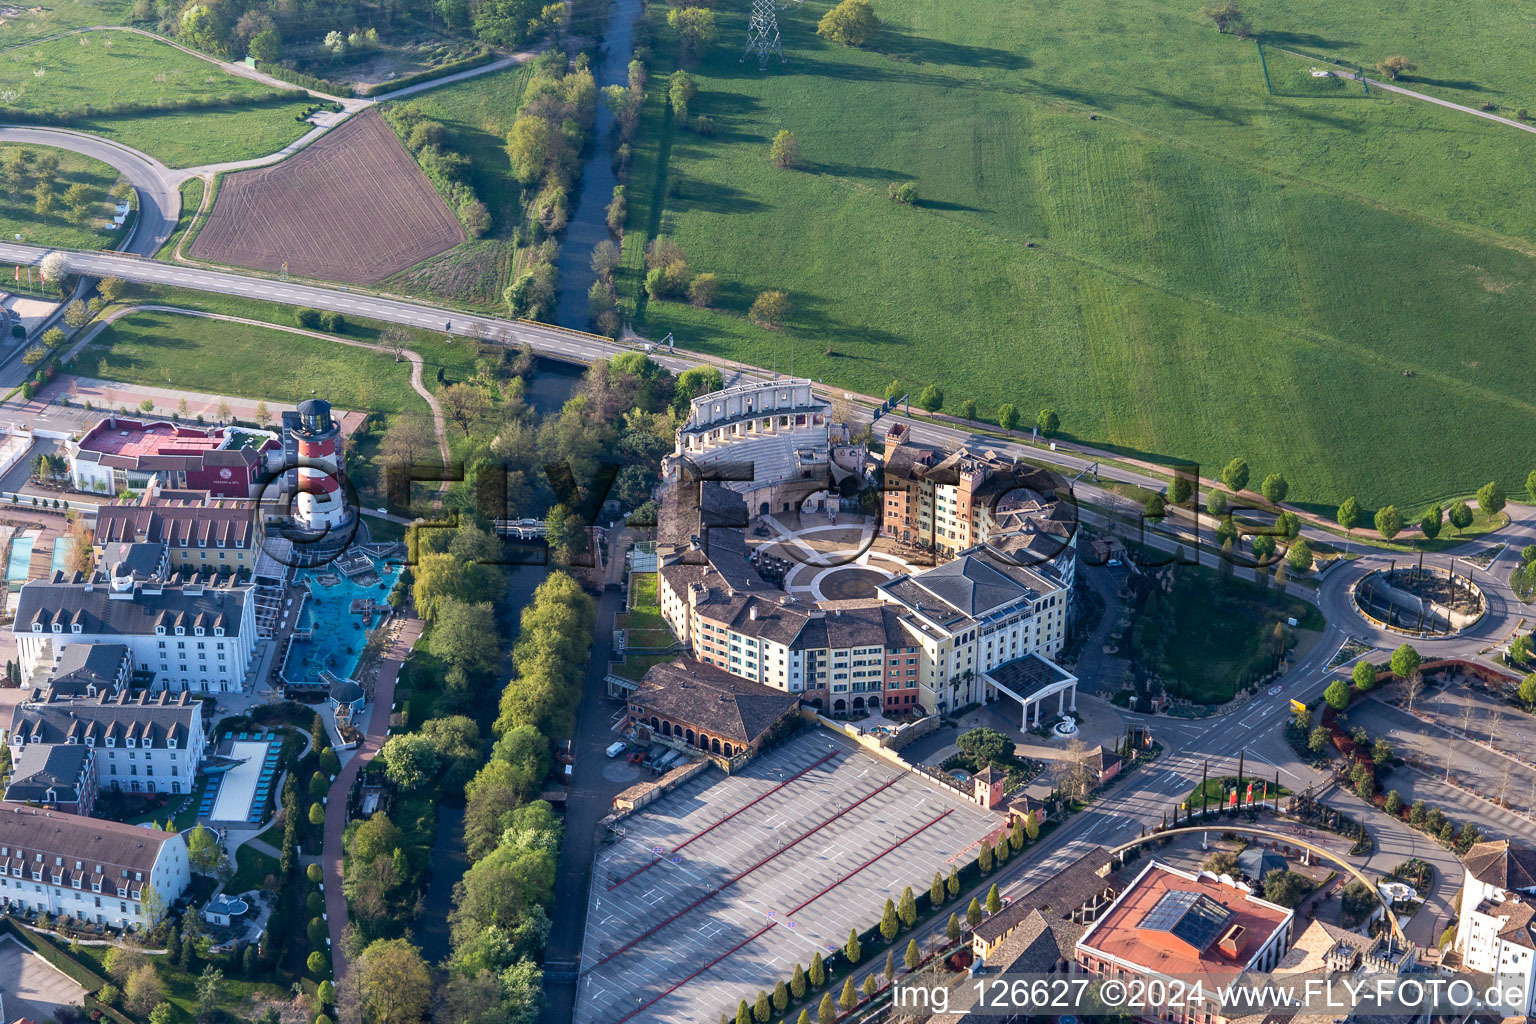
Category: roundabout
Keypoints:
(1423, 603)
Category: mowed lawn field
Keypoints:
(1116, 220)
(240, 360)
(124, 85)
(37, 20)
(18, 211)
(477, 113)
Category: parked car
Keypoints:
(616, 748)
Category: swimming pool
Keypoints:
(337, 634)
(16, 570)
(61, 550)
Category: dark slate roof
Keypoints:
(94, 720)
(1504, 864)
(206, 601)
(1026, 675)
(1057, 896)
(1256, 862)
(1038, 945)
(140, 559)
(314, 407)
(45, 766)
(84, 665)
(690, 513)
(345, 691)
(107, 851)
(970, 585)
(712, 700)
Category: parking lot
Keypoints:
(30, 987)
(717, 889)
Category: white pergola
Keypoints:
(1031, 680)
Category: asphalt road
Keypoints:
(158, 186)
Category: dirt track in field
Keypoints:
(351, 207)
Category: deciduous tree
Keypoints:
(1235, 475)
(1396, 66)
(1389, 521)
(785, 151)
(850, 23)
(769, 310)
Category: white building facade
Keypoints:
(95, 871)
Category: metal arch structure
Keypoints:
(763, 31)
(1279, 837)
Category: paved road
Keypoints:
(158, 186)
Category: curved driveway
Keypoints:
(158, 186)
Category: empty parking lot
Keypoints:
(717, 889)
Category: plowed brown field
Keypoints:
(351, 207)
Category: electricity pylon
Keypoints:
(763, 32)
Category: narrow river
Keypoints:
(588, 224)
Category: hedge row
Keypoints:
(111, 1013)
(303, 81)
(431, 74)
(88, 111)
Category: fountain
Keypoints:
(1065, 729)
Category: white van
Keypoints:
(616, 748)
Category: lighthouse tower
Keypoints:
(319, 505)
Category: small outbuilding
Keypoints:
(346, 698)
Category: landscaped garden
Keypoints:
(1148, 213)
(1212, 634)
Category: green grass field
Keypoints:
(222, 358)
(1116, 220)
(478, 113)
(61, 16)
(124, 84)
(19, 216)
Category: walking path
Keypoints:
(341, 787)
(439, 422)
(1344, 72)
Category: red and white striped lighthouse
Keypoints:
(319, 504)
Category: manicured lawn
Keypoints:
(478, 114)
(1256, 272)
(124, 84)
(222, 358)
(643, 621)
(251, 869)
(18, 211)
(191, 197)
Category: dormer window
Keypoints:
(181, 630)
(74, 627)
(75, 882)
(131, 741)
(111, 741)
(160, 631)
(90, 741)
(58, 627)
(198, 631)
(95, 886)
(171, 743)
(218, 630)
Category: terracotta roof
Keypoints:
(712, 700)
(1170, 922)
(1503, 864)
